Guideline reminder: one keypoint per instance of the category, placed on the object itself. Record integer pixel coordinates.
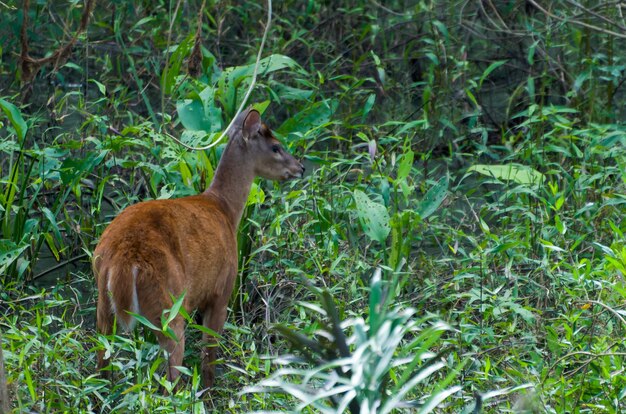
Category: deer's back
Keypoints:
(186, 244)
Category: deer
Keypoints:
(155, 251)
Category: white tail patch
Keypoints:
(113, 307)
(134, 307)
(126, 321)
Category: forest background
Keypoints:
(457, 244)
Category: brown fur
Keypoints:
(164, 248)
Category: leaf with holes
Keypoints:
(373, 216)
(10, 252)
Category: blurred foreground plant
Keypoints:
(364, 366)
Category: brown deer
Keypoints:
(159, 249)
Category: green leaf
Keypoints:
(471, 97)
(289, 93)
(53, 248)
(101, 87)
(495, 65)
(518, 173)
(205, 330)
(256, 196)
(144, 321)
(212, 113)
(74, 169)
(233, 78)
(433, 198)
(376, 301)
(15, 117)
(185, 173)
(174, 310)
(261, 106)
(29, 382)
(369, 104)
(373, 216)
(192, 115)
(405, 165)
(9, 253)
(313, 116)
(199, 112)
(531, 53)
(441, 28)
(168, 78)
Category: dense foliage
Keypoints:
(457, 245)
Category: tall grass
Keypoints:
(472, 152)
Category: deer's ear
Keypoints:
(251, 125)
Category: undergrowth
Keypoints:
(457, 244)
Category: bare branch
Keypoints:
(577, 22)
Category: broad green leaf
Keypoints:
(405, 165)
(433, 198)
(531, 53)
(73, 169)
(313, 116)
(442, 28)
(185, 173)
(518, 173)
(373, 216)
(231, 79)
(409, 126)
(15, 117)
(273, 63)
(192, 115)
(53, 223)
(261, 106)
(369, 104)
(212, 113)
(170, 74)
(288, 93)
(53, 248)
(380, 70)
(551, 246)
(505, 391)
(256, 196)
(29, 382)
(9, 252)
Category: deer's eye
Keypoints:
(276, 149)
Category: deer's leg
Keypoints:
(213, 319)
(104, 326)
(175, 347)
(153, 298)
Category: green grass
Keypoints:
(457, 244)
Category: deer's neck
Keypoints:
(232, 181)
